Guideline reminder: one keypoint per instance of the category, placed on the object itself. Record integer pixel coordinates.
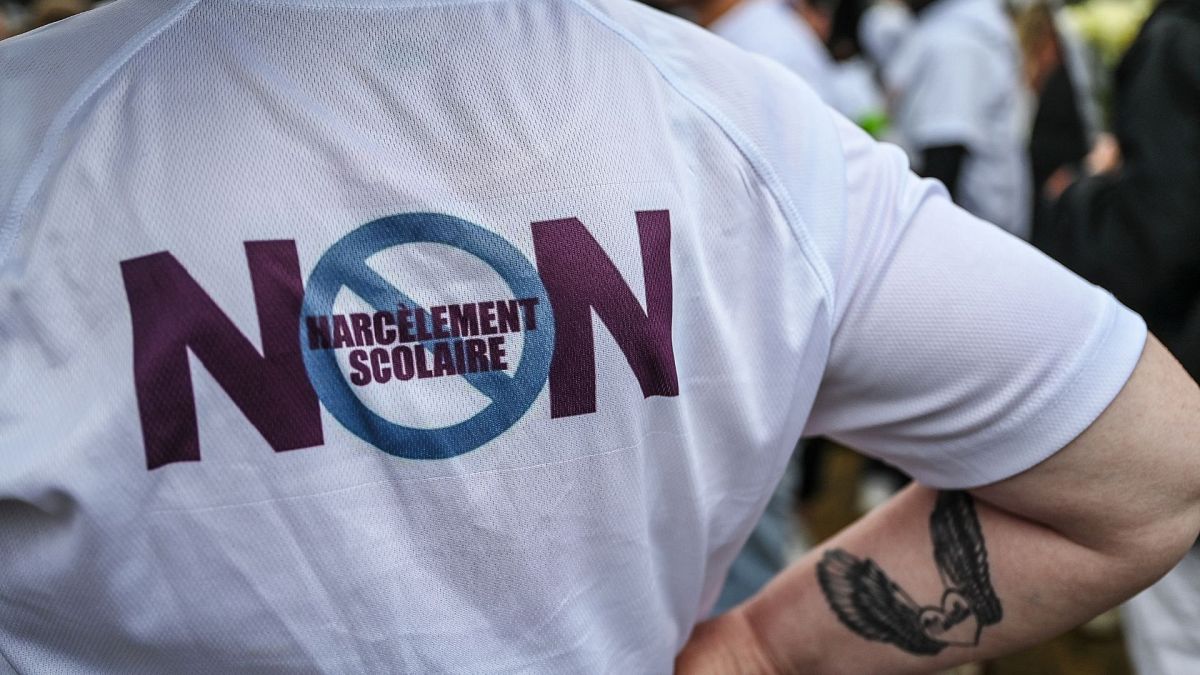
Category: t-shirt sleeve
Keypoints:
(959, 354)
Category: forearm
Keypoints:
(1044, 583)
(1024, 558)
(1088, 527)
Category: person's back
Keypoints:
(466, 336)
(230, 151)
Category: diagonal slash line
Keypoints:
(379, 293)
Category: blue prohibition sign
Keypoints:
(510, 393)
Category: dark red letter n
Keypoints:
(172, 314)
(580, 277)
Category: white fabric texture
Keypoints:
(816, 284)
(956, 80)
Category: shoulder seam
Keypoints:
(743, 144)
(5, 661)
(31, 180)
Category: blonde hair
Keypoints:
(48, 11)
(1035, 30)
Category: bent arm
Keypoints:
(909, 588)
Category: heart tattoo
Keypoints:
(869, 603)
(953, 623)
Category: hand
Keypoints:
(1057, 183)
(1105, 155)
(724, 645)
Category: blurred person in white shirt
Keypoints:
(959, 106)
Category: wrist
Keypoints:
(782, 645)
(759, 656)
(725, 644)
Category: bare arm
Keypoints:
(932, 579)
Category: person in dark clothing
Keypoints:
(1059, 136)
(1136, 230)
(1059, 140)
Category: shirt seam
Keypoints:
(745, 147)
(32, 179)
(4, 660)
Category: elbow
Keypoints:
(1183, 531)
(1154, 503)
(1155, 543)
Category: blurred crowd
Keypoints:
(18, 16)
(1073, 126)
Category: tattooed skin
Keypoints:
(867, 602)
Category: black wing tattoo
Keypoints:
(961, 556)
(871, 604)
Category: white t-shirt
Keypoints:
(464, 336)
(883, 28)
(856, 89)
(1160, 622)
(955, 79)
(775, 30)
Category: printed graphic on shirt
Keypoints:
(417, 380)
(467, 340)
